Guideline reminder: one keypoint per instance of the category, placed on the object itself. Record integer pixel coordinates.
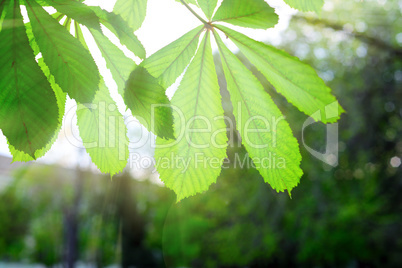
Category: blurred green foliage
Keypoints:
(14, 216)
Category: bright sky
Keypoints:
(166, 21)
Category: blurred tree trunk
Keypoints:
(374, 41)
(134, 253)
(71, 224)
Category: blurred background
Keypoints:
(58, 215)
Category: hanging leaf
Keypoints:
(169, 63)
(119, 65)
(145, 91)
(79, 12)
(297, 81)
(92, 16)
(265, 133)
(208, 7)
(19, 156)
(122, 30)
(201, 114)
(103, 132)
(255, 14)
(306, 5)
(69, 62)
(132, 11)
(148, 103)
(28, 106)
(31, 39)
(79, 35)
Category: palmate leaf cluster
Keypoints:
(42, 63)
(47, 59)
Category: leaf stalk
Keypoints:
(195, 14)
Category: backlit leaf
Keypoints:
(265, 133)
(69, 62)
(28, 106)
(169, 63)
(306, 5)
(119, 65)
(255, 14)
(201, 114)
(208, 7)
(147, 84)
(77, 11)
(122, 30)
(295, 80)
(103, 132)
(19, 156)
(148, 103)
(132, 11)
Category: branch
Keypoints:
(362, 37)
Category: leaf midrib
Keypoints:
(199, 83)
(196, 102)
(21, 112)
(239, 17)
(50, 40)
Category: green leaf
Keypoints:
(103, 132)
(132, 11)
(69, 62)
(199, 101)
(31, 39)
(67, 24)
(28, 105)
(255, 14)
(2, 12)
(265, 133)
(43, 3)
(119, 65)
(306, 5)
(79, 35)
(19, 156)
(78, 12)
(57, 16)
(122, 30)
(208, 7)
(297, 81)
(149, 103)
(147, 84)
(169, 63)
